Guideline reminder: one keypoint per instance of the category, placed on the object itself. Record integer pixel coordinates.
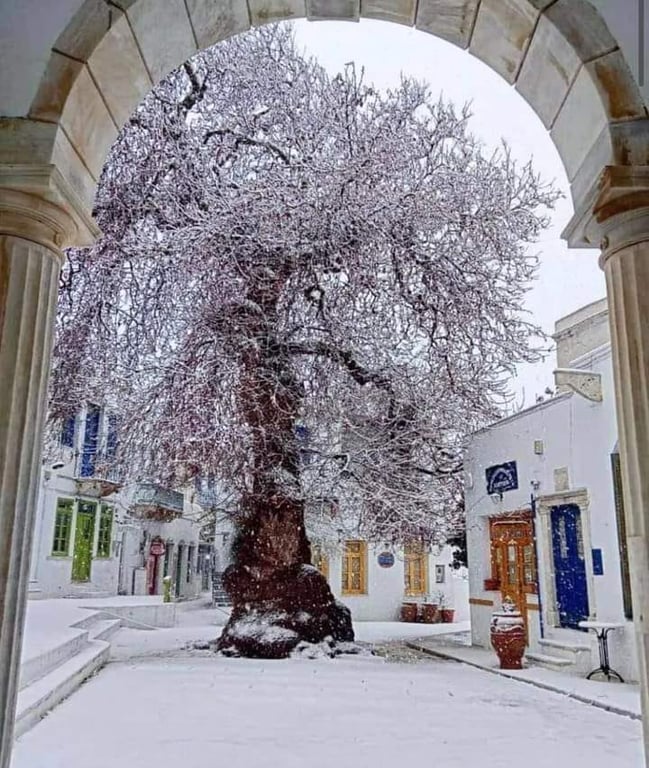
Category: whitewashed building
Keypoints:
(544, 506)
(375, 580)
(98, 535)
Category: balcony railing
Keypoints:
(154, 502)
(99, 479)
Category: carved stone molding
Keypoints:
(588, 384)
(40, 194)
(615, 214)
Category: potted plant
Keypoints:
(409, 612)
(447, 613)
(430, 612)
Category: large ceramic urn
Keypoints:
(508, 636)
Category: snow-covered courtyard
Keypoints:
(161, 704)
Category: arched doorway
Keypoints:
(71, 85)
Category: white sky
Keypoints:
(567, 279)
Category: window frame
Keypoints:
(415, 557)
(105, 540)
(70, 503)
(347, 572)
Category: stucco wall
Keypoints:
(579, 435)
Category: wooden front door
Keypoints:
(84, 537)
(513, 560)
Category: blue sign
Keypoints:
(598, 563)
(386, 559)
(502, 477)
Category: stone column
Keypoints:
(32, 232)
(625, 260)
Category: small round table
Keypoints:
(601, 629)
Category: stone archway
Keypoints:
(72, 86)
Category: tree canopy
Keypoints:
(305, 287)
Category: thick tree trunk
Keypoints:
(279, 599)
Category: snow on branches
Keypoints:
(306, 287)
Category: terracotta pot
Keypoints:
(508, 638)
(409, 612)
(429, 613)
(448, 614)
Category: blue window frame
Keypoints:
(67, 431)
(90, 441)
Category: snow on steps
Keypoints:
(51, 676)
(554, 651)
(556, 663)
(38, 666)
(37, 699)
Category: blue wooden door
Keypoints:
(569, 565)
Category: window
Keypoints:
(320, 560)
(190, 563)
(67, 431)
(111, 436)
(62, 527)
(621, 535)
(354, 568)
(105, 531)
(415, 569)
(90, 441)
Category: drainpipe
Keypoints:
(536, 566)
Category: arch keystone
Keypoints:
(399, 11)
(342, 10)
(268, 11)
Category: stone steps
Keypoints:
(557, 663)
(51, 676)
(577, 653)
(42, 695)
(41, 664)
(104, 629)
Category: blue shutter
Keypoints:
(111, 436)
(67, 431)
(90, 439)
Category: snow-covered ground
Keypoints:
(161, 704)
(196, 622)
(197, 712)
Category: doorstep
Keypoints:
(619, 698)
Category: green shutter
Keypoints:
(62, 527)
(621, 534)
(105, 531)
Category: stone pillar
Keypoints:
(625, 260)
(32, 233)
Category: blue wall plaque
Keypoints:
(502, 477)
(386, 559)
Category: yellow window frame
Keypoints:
(415, 570)
(354, 570)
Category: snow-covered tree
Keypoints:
(309, 289)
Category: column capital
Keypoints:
(39, 198)
(616, 213)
